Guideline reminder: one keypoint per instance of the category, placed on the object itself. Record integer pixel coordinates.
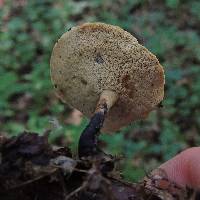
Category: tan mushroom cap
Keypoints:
(94, 57)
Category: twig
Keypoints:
(32, 180)
(76, 191)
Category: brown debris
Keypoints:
(33, 169)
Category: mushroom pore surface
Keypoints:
(95, 57)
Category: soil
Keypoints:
(32, 169)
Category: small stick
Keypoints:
(76, 191)
(89, 137)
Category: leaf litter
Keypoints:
(31, 168)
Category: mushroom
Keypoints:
(96, 64)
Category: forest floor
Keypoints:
(31, 168)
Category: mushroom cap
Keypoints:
(94, 57)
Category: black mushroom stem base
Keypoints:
(88, 142)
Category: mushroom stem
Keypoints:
(89, 137)
(109, 97)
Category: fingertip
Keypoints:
(193, 168)
(184, 169)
